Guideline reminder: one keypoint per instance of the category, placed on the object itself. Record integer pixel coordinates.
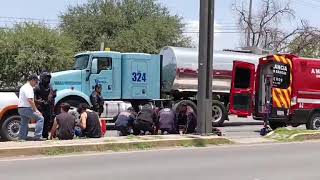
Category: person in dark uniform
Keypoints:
(167, 120)
(124, 122)
(44, 100)
(64, 124)
(97, 99)
(146, 121)
(89, 122)
(187, 117)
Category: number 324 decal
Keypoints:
(139, 77)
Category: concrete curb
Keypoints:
(111, 146)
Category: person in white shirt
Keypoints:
(28, 110)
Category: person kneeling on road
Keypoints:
(188, 118)
(28, 110)
(64, 124)
(167, 120)
(124, 122)
(146, 121)
(89, 122)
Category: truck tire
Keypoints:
(313, 122)
(10, 128)
(275, 125)
(219, 113)
(72, 102)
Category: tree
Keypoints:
(32, 48)
(264, 25)
(123, 25)
(306, 43)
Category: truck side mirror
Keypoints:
(94, 66)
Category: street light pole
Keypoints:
(206, 39)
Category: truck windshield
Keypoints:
(81, 62)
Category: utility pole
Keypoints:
(249, 23)
(205, 57)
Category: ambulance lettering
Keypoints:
(316, 72)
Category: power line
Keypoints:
(28, 19)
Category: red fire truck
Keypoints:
(284, 87)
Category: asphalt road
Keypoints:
(259, 162)
(235, 127)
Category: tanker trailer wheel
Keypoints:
(313, 122)
(219, 113)
(10, 128)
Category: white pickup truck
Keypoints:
(9, 117)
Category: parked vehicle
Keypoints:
(293, 84)
(9, 117)
(134, 78)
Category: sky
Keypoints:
(227, 36)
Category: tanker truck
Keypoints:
(131, 79)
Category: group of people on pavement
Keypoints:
(36, 102)
(151, 121)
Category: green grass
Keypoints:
(284, 134)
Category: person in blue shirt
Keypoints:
(124, 122)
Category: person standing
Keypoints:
(44, 99)
(64, 124)
(89, 122)
(28, 110)
(97, 99)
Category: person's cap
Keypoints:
(33, 77)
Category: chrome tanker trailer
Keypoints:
(180, 76)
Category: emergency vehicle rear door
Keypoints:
(242, 86)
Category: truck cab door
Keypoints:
(101, 73)
(242, 87)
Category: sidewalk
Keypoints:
(56, 147)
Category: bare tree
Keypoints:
(264, 24)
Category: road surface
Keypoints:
(235, 128)
(255, 162)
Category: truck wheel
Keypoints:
(72, 102)
(10, 128)
(219, 113)
(275, 125)
(313, 122)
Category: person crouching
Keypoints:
(167, 120)
(89, 122)
(146, 121)
(64, 124)
(124, 122)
